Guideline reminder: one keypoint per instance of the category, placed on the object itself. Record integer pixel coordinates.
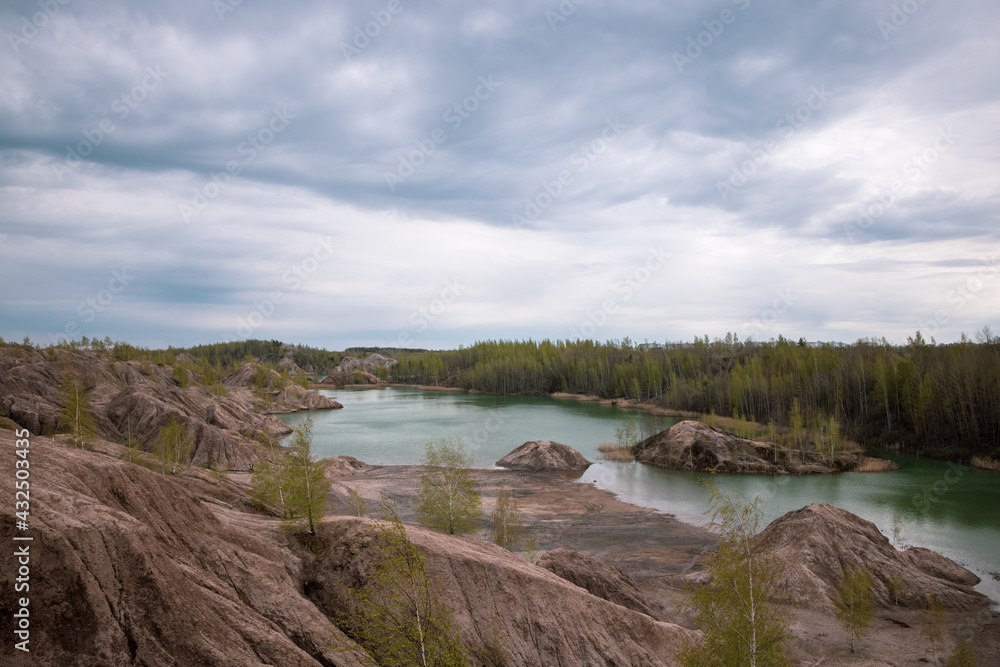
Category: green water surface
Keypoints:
(954, 510)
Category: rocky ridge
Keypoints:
(132, 568)
(692, 445)
(604, 581)
(817, 543)
(532, 615)
(129, 397)
(352, 370)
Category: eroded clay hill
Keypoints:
(532, 615)
(128, 397)
(604, 581)
(128, 567)
(544, 455)
(817, 543)
(137, 568)
(352, 370)
(692, 445)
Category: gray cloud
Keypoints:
(116, 114)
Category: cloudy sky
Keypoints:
(430, 174)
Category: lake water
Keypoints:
(954, 510)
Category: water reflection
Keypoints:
(961, 523)
(951, 510)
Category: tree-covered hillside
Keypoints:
(942, 399)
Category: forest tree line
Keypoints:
(942, 400)
(937, 399)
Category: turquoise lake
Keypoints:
(954, 510)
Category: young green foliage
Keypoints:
(267, 484)
(75, 412)
(625, 433)
(506, 527)
(448, 499)
(356, 502)
(173, 446)
(304, 478)
(180, 375)
(736, 610)
(133, 448)
(963, 655)
(932, 621)
(396, 614)
(895, 585)
(853, 602)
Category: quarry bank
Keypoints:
(602, 584)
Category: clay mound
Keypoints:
(244, 376)
(288, 364)
(130, 568)
(297, 398)
(352, 370)
(544, 455)
(361, 377)
(534, 616)
(602, 580)
(331, 381)
(129, 397)
(369, 364)
(341, 466)
(692, 445)
(30, 386)
(817, 543)
(214, 425)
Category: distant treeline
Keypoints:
(936, 399)
(226, 355)
(222, 357)
(941, 400)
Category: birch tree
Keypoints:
(736, 609)
(295, 481)
(305, 478)
(448, 499)
(853, 602)
(173, 446)
(396, 614)
(506, 525)
(75, 412)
